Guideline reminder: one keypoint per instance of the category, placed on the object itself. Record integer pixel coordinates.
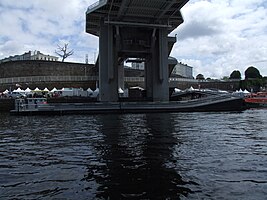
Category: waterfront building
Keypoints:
(31, 55)
(180, 69)
(138, 65)
(183, 70)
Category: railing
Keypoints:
(183, 80)
(205, 100)
(134, 79)
(31, 79)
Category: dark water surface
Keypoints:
(134, 156)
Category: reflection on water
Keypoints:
(134, 153)
(134, 156)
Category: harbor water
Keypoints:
(134, 156)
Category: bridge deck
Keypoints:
(157, 13)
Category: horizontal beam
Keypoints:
(137, 24)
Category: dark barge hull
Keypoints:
(209, 105)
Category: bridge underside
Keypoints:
(134, 29)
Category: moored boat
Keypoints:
(256, 99)
(209, 103)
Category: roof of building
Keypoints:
(27, 56)
(149, 13)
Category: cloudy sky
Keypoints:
(217, 37)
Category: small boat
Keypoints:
(256, 100)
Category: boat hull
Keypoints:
(256, 100)
(230, 104)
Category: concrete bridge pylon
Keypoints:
(134, 29)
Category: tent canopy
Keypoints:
(89, 90)
(46, 90)
(18, 90)
(177, 90)
(37, 90)
(6, 91)
(28, 90)
(120, 91)
(54, 90)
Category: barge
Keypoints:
(39, 106)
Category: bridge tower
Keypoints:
(134, 29)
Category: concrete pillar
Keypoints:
(161, 91)
(120, 65)
(121, 76)
(156, 68)
(149, 78)
(108, 71)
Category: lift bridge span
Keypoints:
(136, 29)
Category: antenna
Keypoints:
(86, 58)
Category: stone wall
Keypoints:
(44, 68)
(34, 68)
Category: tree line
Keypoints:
(253, 81)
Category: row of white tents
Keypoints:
(177, 90)
(62, 92)
(90, 92)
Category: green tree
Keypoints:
(200, 77)
(253, 80)
(235, 75)
(253, 73)
(225, 78)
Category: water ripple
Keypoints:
(134, 156)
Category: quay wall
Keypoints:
(44, 68)
(230, 85)
(50, 74)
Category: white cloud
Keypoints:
(216, 38)
(41, 25)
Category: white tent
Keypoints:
(54, 90)
(19, 90)
(177, 90)
(37, 90)
(5, 92)
(28, 90)
(96, 92)
(46, 90)
(246, 92)
(120, 91)
(89, 90)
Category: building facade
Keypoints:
(138, 65)
(183, 70)
(31, 55)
